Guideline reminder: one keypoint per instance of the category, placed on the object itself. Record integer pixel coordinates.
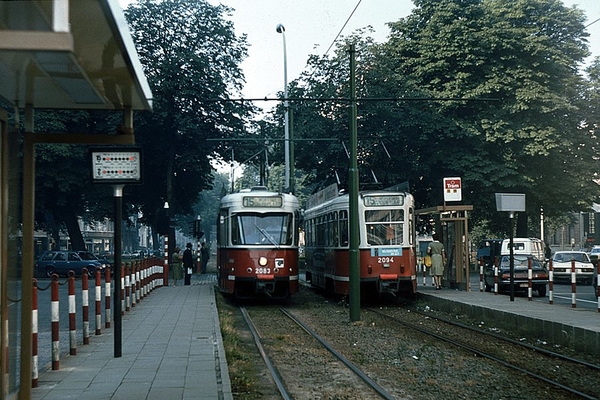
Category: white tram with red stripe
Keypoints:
(387, 243)
(257, 244)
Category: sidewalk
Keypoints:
(171, 349)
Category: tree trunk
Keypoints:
(75, 236)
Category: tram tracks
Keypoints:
(549, 367)
(406, 362)
(374, 386)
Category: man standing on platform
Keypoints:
(188, 264)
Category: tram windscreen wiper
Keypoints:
(267, 235)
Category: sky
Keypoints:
(312, 25)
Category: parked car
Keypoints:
(520, 275)
(562, 263)
(526, 246)
(488, 249)
(86, 255)
(594, 254)
(61, 262)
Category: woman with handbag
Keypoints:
(438, 260)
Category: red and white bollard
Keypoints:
(127, 288)
(122, 269)
(166, 262)
(550, 282)
(54, 317)
(72, 316)
(573, 285)
(34, 336)
(107, 289)
(133, 283)
(529, 279)
(481, 279)
(598, 285)
(496, 275)
(85, 306)
(138, 282)
(98, 302)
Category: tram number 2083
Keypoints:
(385, 260)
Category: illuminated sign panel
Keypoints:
(116, 165)
(261, 201)
(382, 201)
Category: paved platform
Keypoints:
(171, 349)
(559, 324)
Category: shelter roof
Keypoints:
(69, 54)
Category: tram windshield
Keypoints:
(262, 229)
(384, 227)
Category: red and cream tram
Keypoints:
(387, 241)
(257, 244)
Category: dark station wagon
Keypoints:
(61, 262)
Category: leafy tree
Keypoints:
(64, 190)
(523, 54)
(191, 57)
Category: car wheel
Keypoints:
(488, 288)
(91, 271)
(542, 291)
(50, 270)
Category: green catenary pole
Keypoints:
(353, 193)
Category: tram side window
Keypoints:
(335, 229)
(236, 231)
(384, 227)
(343, 222)
(222, 237)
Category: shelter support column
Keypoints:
(28, 256)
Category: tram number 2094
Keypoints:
(385, 260)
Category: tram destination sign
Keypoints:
(116, 165)
(383, 201)
(262, 201)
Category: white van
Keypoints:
(526, 246)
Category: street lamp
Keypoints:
(281, 29)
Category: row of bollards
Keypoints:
(573, 282)
(138, 279)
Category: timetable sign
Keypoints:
(117, 165)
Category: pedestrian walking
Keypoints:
(438, 260)
(176, 265)
(205, 253)
(188, 264)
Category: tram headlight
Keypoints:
(262, 261)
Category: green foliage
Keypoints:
(191, 57)
(500, 105)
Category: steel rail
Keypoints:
(482, 354)
(515, 342)
(374, 385)
(257, 340)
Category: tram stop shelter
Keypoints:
(59, 55)
(452, 222)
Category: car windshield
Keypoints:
(568, 257)
(520, 262)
